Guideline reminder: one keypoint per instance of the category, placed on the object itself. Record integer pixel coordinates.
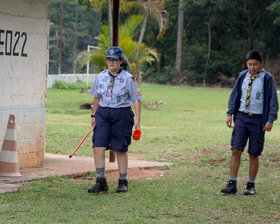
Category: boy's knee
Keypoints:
(236, 153)
(252, 157)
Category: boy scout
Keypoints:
(254, 106)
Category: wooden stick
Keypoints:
(81, 142)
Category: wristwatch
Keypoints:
(92, 115)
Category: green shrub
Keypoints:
(161, 78)
(66, 85)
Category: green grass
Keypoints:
(189, 130)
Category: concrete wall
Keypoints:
(24, 30)
(71, 78)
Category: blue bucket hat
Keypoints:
(114, 52)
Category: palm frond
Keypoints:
(97, 4)
(126, 5)
(130, 25)
(128, 45)
(156, 9)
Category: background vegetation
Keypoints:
(235, 27)
(188, 130)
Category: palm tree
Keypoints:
(129, 46)
(154, 8)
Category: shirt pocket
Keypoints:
(119, 91)
(257, 91)
(244, 85)
(101, 89)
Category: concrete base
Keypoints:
(62, 165)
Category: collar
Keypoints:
(113, 76)
(255, 76)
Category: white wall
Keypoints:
(71, 78)
(24, 30)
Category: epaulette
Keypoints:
(134, 79)
(127, 73)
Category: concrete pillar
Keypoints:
(24, 55)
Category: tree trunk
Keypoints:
(100, 21)
(60, 38)
(140, 40)
(75, 39)
(251, 38)
(110, 22)
(209, 51)
(159, 64)
(178, 62)
(143, 29)
(89, 22)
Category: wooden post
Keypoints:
(116, 14)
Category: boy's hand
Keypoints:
(268, 126)
(229, 121)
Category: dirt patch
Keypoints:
(133, 174)
(207, 152)
(137, 155)
(165, 155)
(139, 174)
(215, 162)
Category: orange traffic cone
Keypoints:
(8, 154)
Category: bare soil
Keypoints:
(133, 174)
(138, 174)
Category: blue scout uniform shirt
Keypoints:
(256, 96)
(117, 92)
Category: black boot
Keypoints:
(122, 186)
(101, 185)
(250, 189)
(230, 188)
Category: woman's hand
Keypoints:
(137, 125)
(137, 106)
(92, 121)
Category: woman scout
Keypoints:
(114, 91)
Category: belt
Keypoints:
(115, 107)
(250, 114)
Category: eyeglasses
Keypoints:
(112, 60)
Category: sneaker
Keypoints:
(230, 188)
(101, 185)
(122, 186)
(250, 189)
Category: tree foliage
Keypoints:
(77, 28)
(126, 42)
(235, 26)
